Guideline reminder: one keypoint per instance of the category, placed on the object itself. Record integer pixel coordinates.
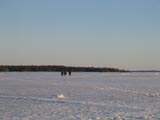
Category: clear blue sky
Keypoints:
(100, 33)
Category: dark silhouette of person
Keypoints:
(65, 73)
(62, 73)
(69, 73)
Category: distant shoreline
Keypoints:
(59, 68)
(55, 68)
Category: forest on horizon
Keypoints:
(55, 68)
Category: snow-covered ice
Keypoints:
(82, 96)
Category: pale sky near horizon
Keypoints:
(102, 33)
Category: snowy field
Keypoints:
(87, 96)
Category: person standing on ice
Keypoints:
(69, 72)
(62, 73)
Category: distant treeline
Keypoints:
(55, 68)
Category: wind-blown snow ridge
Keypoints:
(54, 100)
(60, 101)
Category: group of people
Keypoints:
(64, 73)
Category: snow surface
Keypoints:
(87, 96)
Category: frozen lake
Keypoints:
(88, 96)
